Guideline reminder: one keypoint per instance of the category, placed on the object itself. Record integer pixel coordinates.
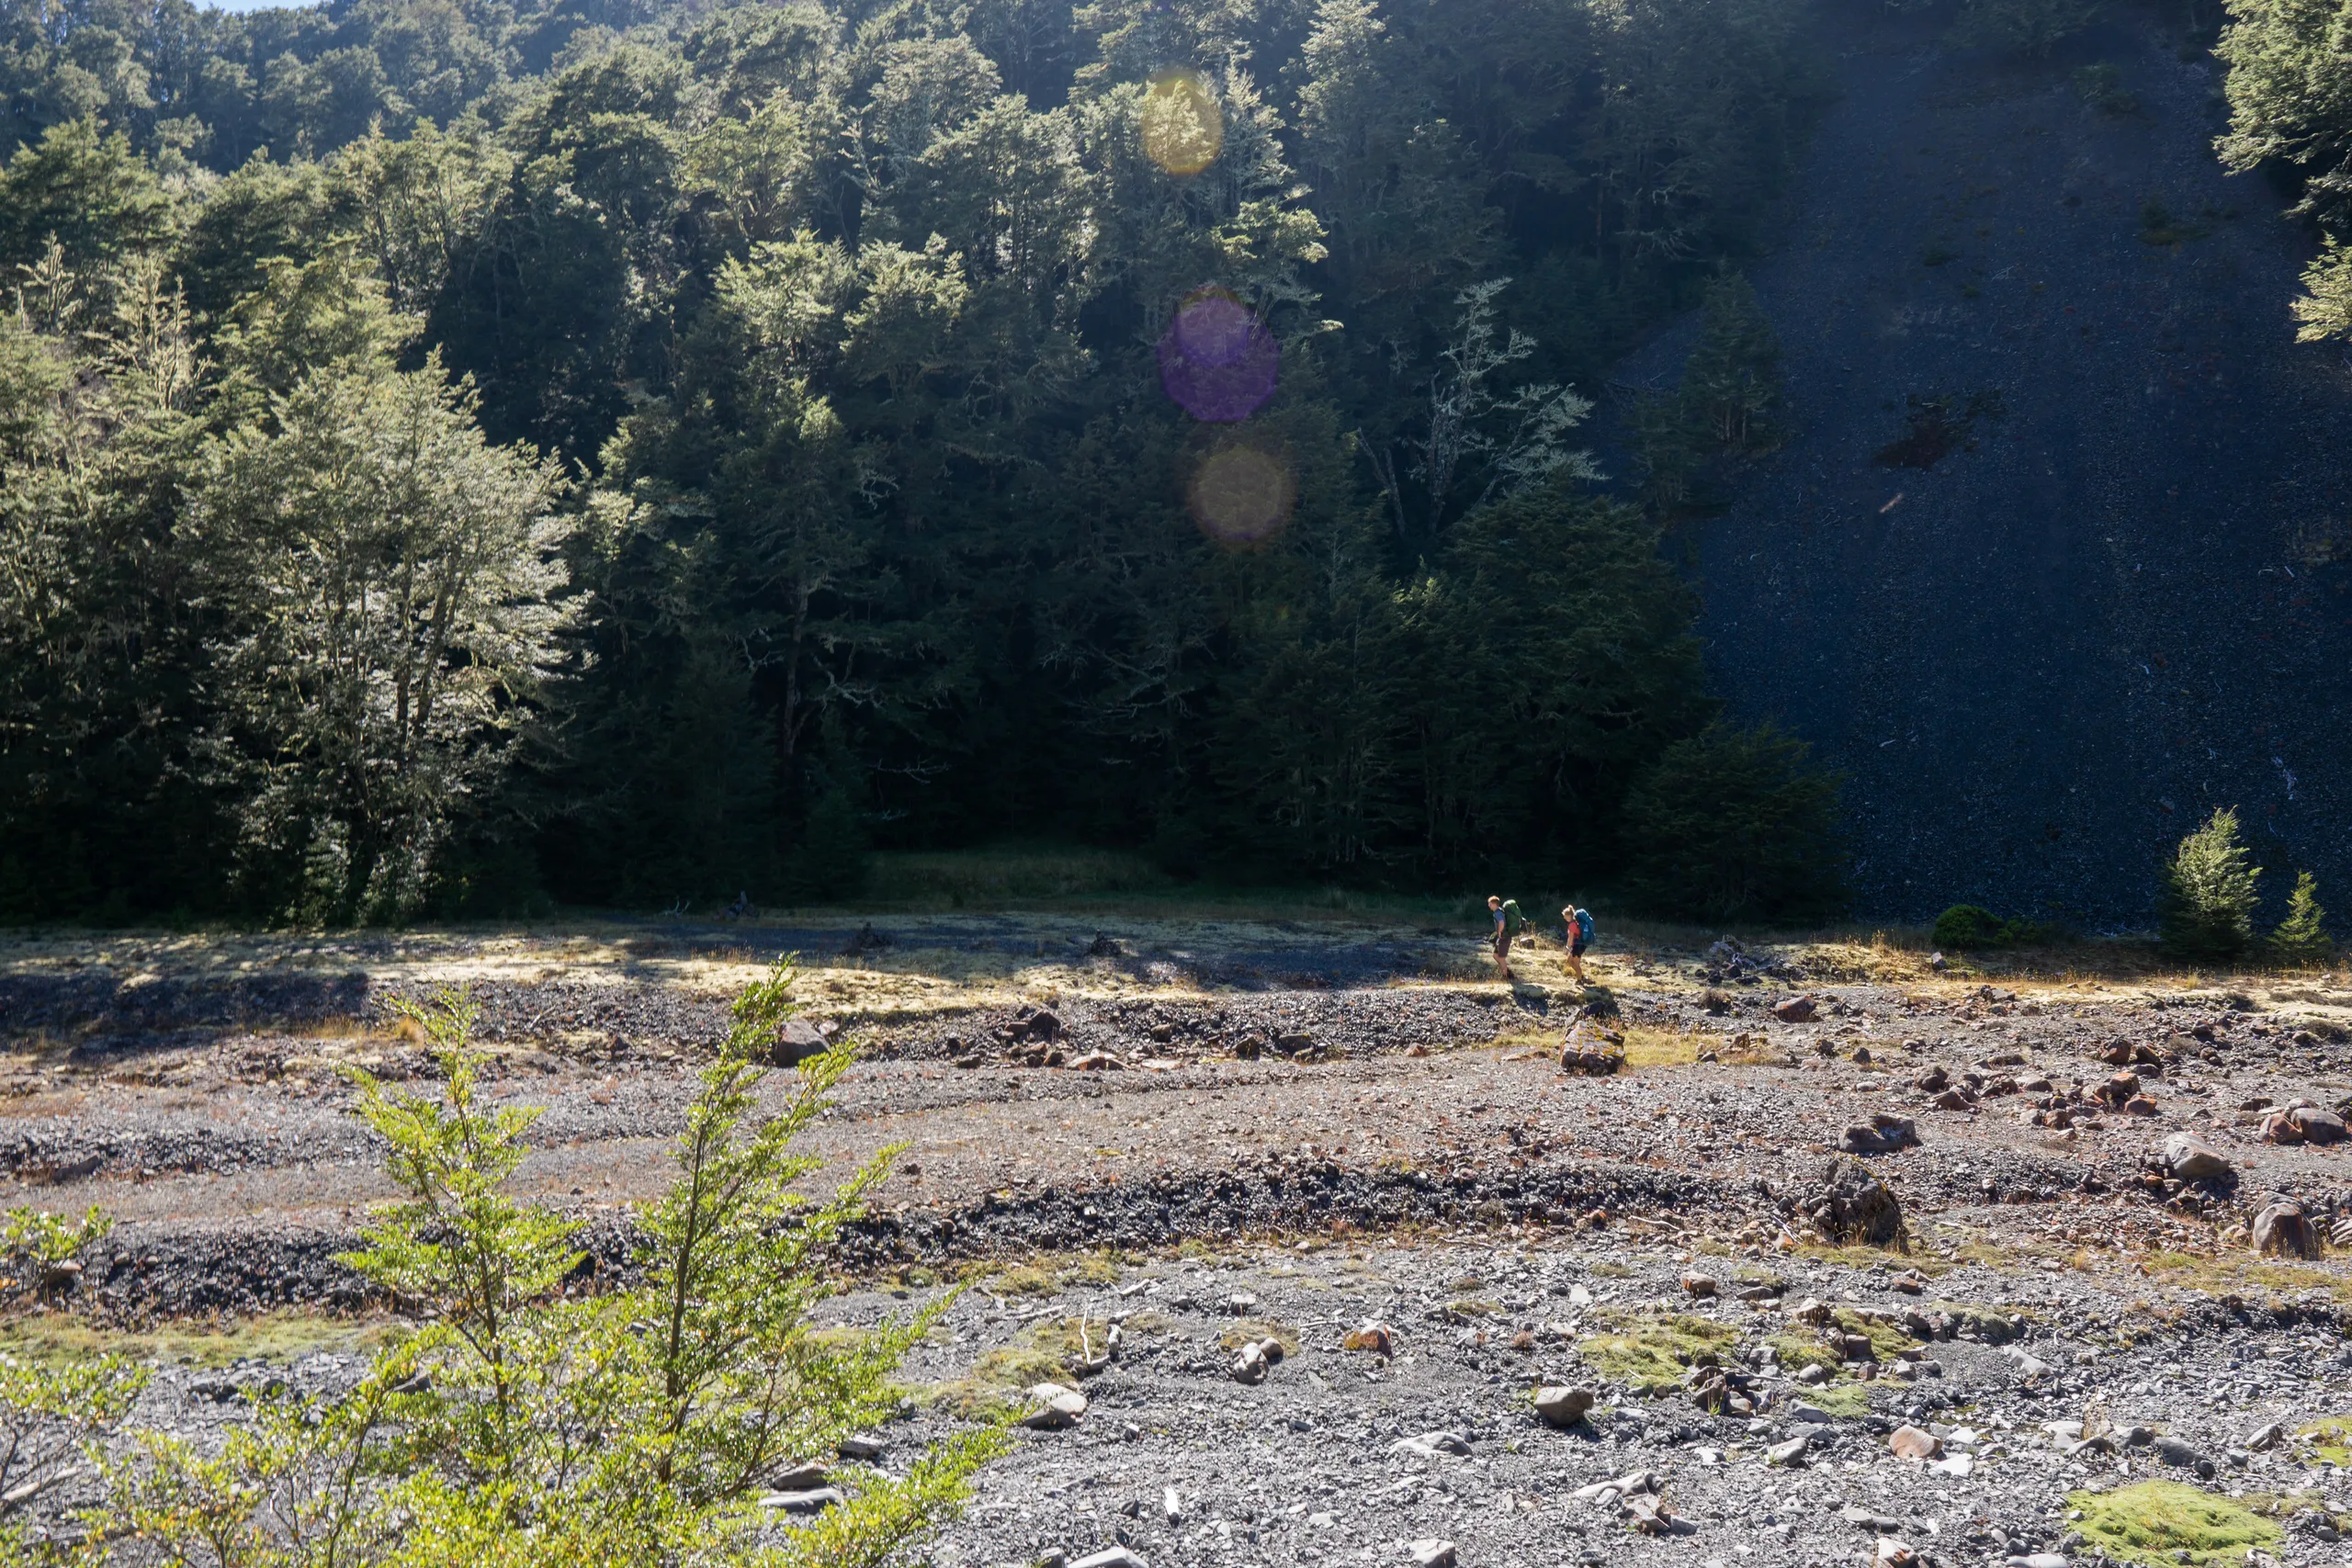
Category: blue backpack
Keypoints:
(1584, 926)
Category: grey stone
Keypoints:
(2188, 1158)
(1564, 1406)
(1054, 1408)
(796, 1042)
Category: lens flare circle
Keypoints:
(1241, 495)
(1183, 124)
(1216, 358)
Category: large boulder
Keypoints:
(1849, 1205)
(796, 1042)
(2188, 1158)
(2283, 1229)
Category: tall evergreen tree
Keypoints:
(2209, 893)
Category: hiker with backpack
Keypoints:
(1509, 923)
(1579, 924)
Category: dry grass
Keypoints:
(2244, 1274)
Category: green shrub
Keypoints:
(2209, 894)
(1736, 824)
(524, 1424)
(1971, 927)
(2302, 941)
(2101, 87)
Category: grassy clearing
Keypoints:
(2160, 1523)
(1653, 1351)
(276, 1337)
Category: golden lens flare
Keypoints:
(1183, 129)
(1241, 495)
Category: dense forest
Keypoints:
(463, 454)
(460, 456)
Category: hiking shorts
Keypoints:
(1502, 945)
(1577, 945)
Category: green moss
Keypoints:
(273, 1337)
(1886, 1340)
(1470, 1307)
(2156, 1522)
(1994, 1326)
(1852, 1398)
(998, 1376)
(1797, 1352)
(2331, 1441)
(1653, 1352)
(1250, 1330)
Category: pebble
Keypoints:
(1110, 1557)
(814, 1500)
(1432, 1554)
(1789, 1453)
(860, 1445)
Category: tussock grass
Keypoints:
(2161, 1523)
(1653, 1351)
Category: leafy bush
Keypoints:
(2302, 939)
(1972, 926)
(2208, 894)
(1736, 824)
(524, 1423)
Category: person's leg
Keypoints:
(1502, 953)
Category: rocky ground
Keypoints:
(1217, 1136)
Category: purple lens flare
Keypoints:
(1216, 358)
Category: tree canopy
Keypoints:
(467, 452)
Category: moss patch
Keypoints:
(1797, 1352)
(274, 1336)
(1842, 1398)
(997, 1377)
(1887, 1341)
(2155, 1521)
(1250, 1330)
(2331, 1441)
(1653, 1352)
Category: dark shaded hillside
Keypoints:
(2121, 596)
